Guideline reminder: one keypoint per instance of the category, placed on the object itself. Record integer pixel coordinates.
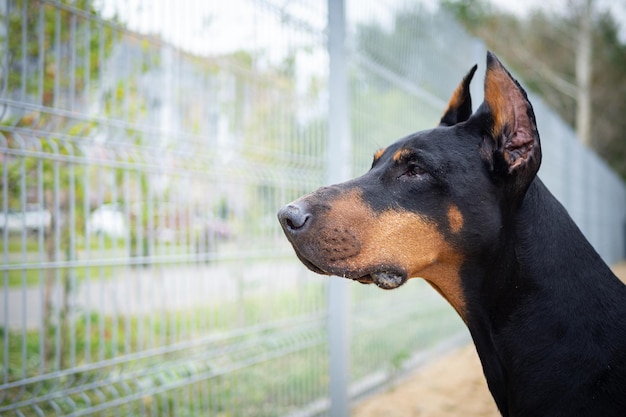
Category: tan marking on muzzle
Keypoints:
(391, 239)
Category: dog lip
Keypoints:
(311, 265)
(367, 279)
(383, 278)
(386, 278)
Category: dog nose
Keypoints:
(293, 217)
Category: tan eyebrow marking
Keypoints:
(379, 153)
(402, 154)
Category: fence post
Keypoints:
(339, 169)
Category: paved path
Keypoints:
(148, 290)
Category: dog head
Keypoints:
(430, 200)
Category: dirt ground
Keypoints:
(450, 387)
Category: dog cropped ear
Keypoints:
(460, 105)
(511, 125)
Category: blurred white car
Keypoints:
(108, 219)
(32, 219)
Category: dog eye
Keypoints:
(415, 171)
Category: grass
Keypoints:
(389, 342)
(245, 357)
(228, 337)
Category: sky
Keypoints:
(214, 27)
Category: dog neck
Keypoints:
(511, 295)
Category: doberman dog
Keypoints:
(461, 206)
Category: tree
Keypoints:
(589, 94)
(51, 57)
(583, 71)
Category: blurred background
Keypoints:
(146, 145)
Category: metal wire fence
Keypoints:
(145, 147)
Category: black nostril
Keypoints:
(293, 217)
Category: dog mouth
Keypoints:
(386, 278)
